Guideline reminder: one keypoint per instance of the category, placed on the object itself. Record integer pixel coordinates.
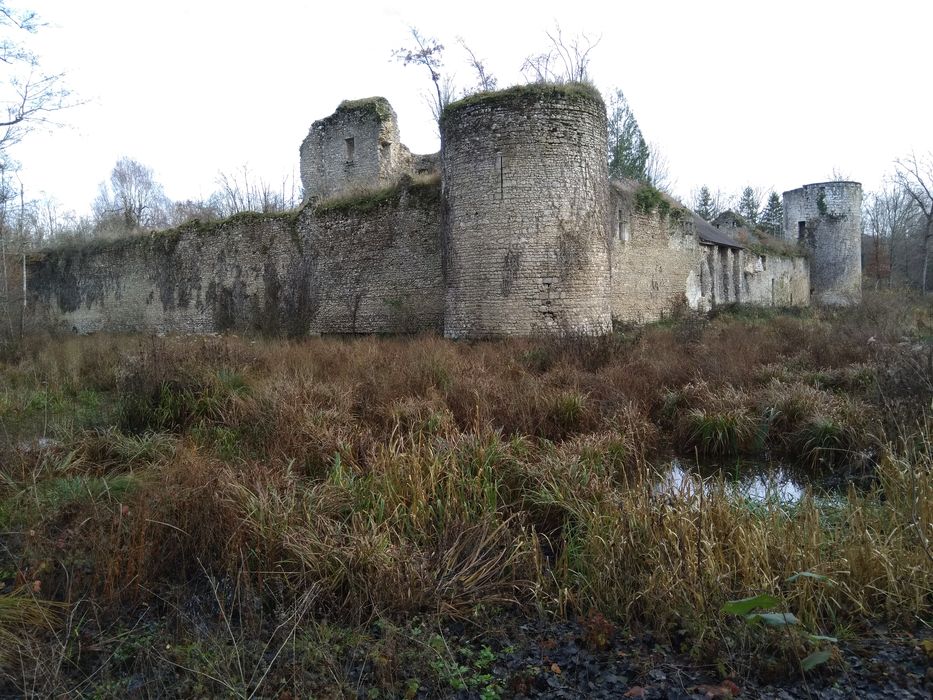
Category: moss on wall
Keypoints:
(426, 192)
(531, 91)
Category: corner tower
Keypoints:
(826, 219)
(526, 192)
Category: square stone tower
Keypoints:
(357, 146)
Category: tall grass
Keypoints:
(392, 477)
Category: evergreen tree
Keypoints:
(628, 150)
(705, 205)
(749, 204)
(772, 218)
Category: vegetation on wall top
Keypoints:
(571, 90)
(423, 189)
(379, 105)
(649, 198)
(169, 237)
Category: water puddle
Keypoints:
(37, 445)
(753, 482)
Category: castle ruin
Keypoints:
(514, 228)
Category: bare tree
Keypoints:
(915, 176)
(131, 200)
(485, 81)
(194, 210)
(28, 98)
(11, 298)
(429, 52)
(28, 95)
(658, 170)
(889, 215)
(241, 191)
(565, 61)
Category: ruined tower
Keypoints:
(826, 219)
(525, 228)
(357, 146)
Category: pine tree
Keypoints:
(772, 218)
(628, 150)
(705, 205)
(749, 205)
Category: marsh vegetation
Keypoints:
(234, 516)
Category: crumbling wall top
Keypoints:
(525, 93)
(356, 146)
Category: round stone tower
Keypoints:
(826, 219)
(526, 193)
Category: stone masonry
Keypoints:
(825, 217)
(513, 229)
(357, 146)
(525, 227)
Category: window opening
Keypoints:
(623, 228)
(350, 149)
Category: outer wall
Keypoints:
(373, 271)
(526, 225)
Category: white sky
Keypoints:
(734, 93)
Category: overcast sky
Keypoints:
(774, 94)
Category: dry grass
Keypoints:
(393, 477)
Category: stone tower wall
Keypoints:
(331, 162)
(526, 220)
(826, 218)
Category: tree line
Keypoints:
(757, 211)
(132, 201)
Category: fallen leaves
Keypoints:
(726, 689)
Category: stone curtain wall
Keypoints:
(378, 271)
(653, 270)
(364, 269)
(245, 274)
(659, 263)
(826, 219)
(775, 280)
(376, 157)
(526, 217)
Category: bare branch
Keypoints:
(566, 61)
(486, 81)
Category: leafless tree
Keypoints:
(915, 176)
(242, 191)
(658, 170)
(194, 210)
(429, 52)
(889, 216)
(567, 60)
(130, 201)
(28, 95)
(485, 80)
